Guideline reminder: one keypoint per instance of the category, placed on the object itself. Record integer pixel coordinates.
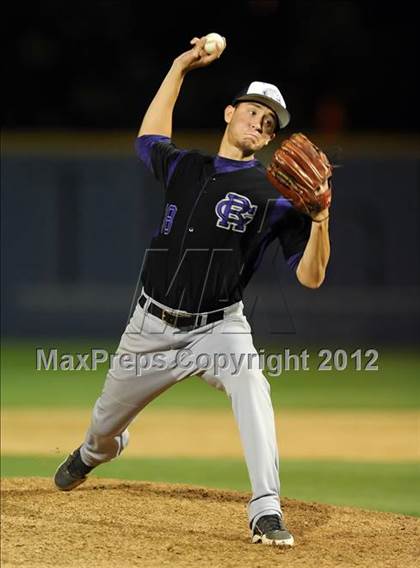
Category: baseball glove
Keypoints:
(301, 172)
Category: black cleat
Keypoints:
(271, 529)
(71, 472)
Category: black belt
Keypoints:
(181, 321)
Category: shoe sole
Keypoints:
(72, 485)
(285, 542)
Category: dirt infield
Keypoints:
(302, 434)
(114, 523)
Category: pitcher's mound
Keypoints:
(108, 523)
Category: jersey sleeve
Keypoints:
(160, 156)
(294, 232)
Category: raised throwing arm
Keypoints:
(158, 117)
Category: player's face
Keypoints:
(252, 126)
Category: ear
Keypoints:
(229, 110)
(271, 139)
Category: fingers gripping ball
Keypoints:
(301, 172)
(214, 40)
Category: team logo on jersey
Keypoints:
(234, 212)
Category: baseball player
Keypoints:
(220, 214)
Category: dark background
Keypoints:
(97, 64)
(78, 209)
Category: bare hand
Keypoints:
(197, 56)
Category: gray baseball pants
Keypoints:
(135, 378)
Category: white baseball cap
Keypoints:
(268, 95)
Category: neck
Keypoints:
(232, 152)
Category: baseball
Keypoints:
(212, 40)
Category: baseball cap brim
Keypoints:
(283, 115)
